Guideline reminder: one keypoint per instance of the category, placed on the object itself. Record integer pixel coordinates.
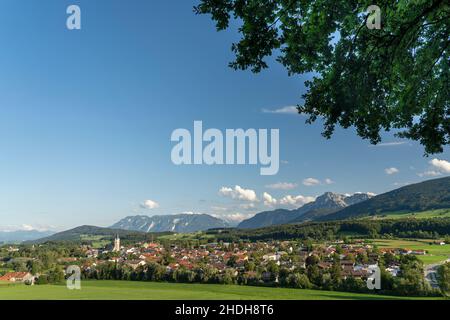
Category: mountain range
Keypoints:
(428, 195)
(324, 205)
(138, 228)
(173, 223)
(22, 235)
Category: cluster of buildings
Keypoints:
(214, 254)
(286, 254)
(355, 260)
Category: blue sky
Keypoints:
(86, 118)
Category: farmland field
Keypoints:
(435, 253)
(97, 241)
(439, 213)
(193, 236)
(127, 290)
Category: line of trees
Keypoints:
(444, 278)
(408, 228)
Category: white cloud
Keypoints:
(234, 217)
(391, 171)
(441, 165)
(190, 212)
(217, 208)
(360, 192)
(239, 193)
(269, 200)
(282, 186)
(296, 201)
(247, 206)
(283, 110)
(388, 144)
(149, 204)
(27, 227)
(311, 182)
(438, 167)
(429, 173)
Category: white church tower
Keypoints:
(116, 244)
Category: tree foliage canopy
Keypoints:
(396, 77)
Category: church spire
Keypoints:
(116, 244)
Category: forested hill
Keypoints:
(84, 232)
(366, 228)
(428, 195)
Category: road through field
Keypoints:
(431, 274)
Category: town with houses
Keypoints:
(278, 263)
(229, 256)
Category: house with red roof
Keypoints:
(18, 277)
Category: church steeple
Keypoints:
(116, 244)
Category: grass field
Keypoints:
(127, 290)
(436, 253)
(440, 213)
(97, 241)
(193, 236)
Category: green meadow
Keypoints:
(439, 213)
(97, 241)
(435, 253)
(193, 236)
(128, 290)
